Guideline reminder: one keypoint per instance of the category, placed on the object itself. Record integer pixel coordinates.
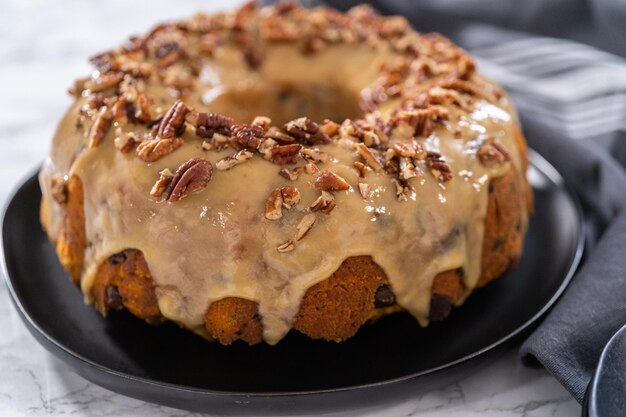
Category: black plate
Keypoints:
(384, 362)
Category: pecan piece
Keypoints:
(125, 141)
(407, 169)
(324, 203)
(307, 131)
(285, 154)
(100, 127)
(329, 181)
(104, 81)
(305, 225)
(438, 166)
(289, 175)
(290, 195)
(369, 157)
(233, 160)
(362, 168)
(159, 187)
(152, 150)
(364, 189)
(190, 177)
(207, 124)
(316, 155)
(249, 136)
(274, 205)
(173, 123)
(493, 153)
(288, 246)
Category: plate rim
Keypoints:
(535, 159)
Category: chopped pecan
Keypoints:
(173, 123)
(190, 177)
(290, 175)
(104, 81)
(311, 168)
(233, 160)
(307, 131)
(421, 120)
(159, 187)
(364, 189)
(274, 205)
(408, 149)
(285, 154)
(143, 111)
(401, 189)
(305, 225)
(58, 189)
(362, 168)
(324, 203)
(290, 195)
(248, 136)
(101, 125)
(263, 122)
(407, 169)
(329, 181)
(493, 153)
(275, 133)
(288, 246)
(152, 150)
(207, 124)
(316, 155)
(438, 166)
(206, 146)
(369, 157)
(125, 141)
(329, 128)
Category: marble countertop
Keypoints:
(43, 47)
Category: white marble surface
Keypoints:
(43, 47)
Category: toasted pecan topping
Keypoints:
(307, 131)
(190, 177)
(249, 136)
(125, 141)
(402, 189)
(173, 123)
(290, 195)
(207, 124)
(407, 169)
(159, 187)
(285, 154)
(364, 190)
(362, 168)
(104, 81)
(100, 127)
(438, 166)
(305, 225)
(493, 153)
(316, 155)
(152, 150)
(233, 160)
(290, 175)
(324, 203)
(368, 155)
(274, 205)
(288, 246)
(329, 181)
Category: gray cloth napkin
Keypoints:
(572, 102)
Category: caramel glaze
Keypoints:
(217, 242)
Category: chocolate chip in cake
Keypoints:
(384, 297)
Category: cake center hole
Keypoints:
(285, 102)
